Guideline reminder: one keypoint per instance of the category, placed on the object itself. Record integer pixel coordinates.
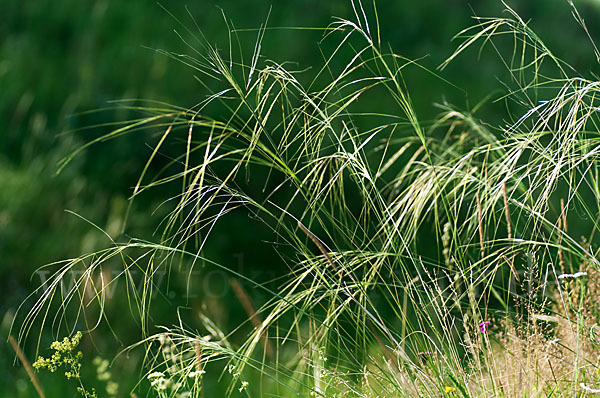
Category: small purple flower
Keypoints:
(424, 355)
(483, 326)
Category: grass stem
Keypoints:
(27, 366)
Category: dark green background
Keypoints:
(61, 58)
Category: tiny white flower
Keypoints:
(155, 375)
(196, 373)
(572, 276)
(157, 382)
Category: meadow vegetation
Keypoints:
(443, 257)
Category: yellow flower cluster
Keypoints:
(64, 355)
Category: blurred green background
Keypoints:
(60, 59)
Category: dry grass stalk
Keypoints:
(27, 366)
(319, 245)
(512, 267)
(251, 311)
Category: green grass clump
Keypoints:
(426, 258)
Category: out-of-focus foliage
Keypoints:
(61, 59)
